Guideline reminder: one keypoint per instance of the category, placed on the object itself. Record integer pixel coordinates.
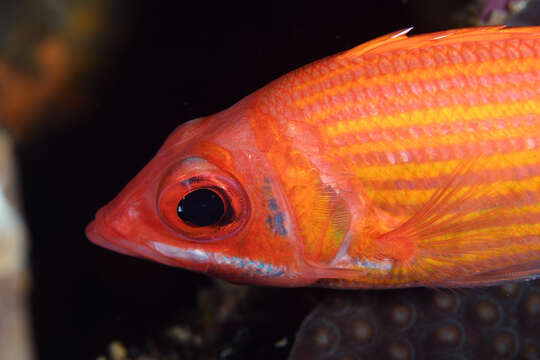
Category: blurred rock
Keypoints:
(465, 13)
(14, 329)
(45, 47)
(232, 322)
(528, 15)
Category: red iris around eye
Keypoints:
(202, 206)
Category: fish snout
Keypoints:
(102, 233)
(120, 230)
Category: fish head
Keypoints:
(209, 202)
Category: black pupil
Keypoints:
(201, 207)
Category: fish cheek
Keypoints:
(267, 253)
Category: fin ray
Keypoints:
(527, 271)
(463, 240)
(399, 39)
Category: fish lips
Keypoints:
(191, 259)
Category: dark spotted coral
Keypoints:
(493, 323)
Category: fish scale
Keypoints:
(415, 110)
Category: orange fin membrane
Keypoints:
(464, 236)
(460, 237)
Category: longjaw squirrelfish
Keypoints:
(405, 161)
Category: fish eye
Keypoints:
(201, 207)
(204, 206)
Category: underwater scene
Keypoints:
(273, 180)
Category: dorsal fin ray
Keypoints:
(376, 43)
(399, 39)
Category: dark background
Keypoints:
(161, 63)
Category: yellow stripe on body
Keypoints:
(501, 251)
(478, 67)
(410, 198)
(467, 92)
(462, 138)
(498, 67)
(446, 115)
(524, 211)
(419, 171)
(510, 230)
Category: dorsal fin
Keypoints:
(399, 39)
(377, 43)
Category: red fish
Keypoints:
(406, 161)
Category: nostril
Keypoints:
(119, 220)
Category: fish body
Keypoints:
(406, 161)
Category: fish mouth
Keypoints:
(93, 234)
(99, 233)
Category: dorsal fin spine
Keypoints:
(400, 40)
